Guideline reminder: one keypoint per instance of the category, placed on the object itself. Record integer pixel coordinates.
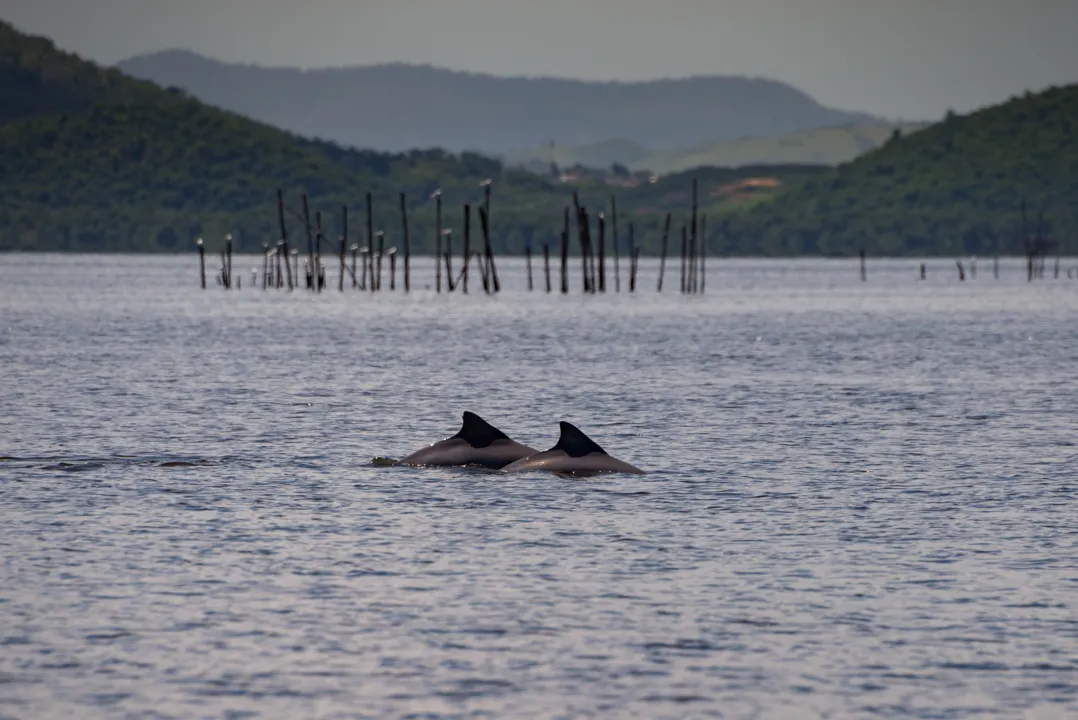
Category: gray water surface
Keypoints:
(861, 499)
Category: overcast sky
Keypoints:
(908, 59)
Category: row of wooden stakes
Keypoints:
(281, 266)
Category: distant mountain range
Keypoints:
(402, 107)
(821, 146)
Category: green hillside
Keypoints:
(823, 146)
(954, 187)
(38, 79)
(92, 160)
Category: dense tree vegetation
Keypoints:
(953, 188)
(93, 160)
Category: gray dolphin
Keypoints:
(478, 443)
(575, 453)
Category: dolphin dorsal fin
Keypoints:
(576, 443)
(477, 432)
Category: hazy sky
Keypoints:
(899, 58)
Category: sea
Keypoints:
(861, 497)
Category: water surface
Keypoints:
(861, 499)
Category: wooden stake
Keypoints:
(528, 260)
(282, 248)
(438, 240)
(864, 272)
(310, 242)
(370, 241)
(693, 240)
(582, 226)
(284, 236)
(602, 253)
(201, 262)
(614, 224)
(407, 245)
(546, 265)
(565, 254)
(467, 242)
(485, 262)
(381, 252)
(318, 281)
(392, 268)
(344, 244)
(450, 285)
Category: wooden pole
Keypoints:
(492, 268)
(310, 241)
(485, 261)
(582, 224)
(528, 260)
(344, 244)
(280, 276)
(284, 236)
(407, 246)
(438, 240)
(363, 278)
(636, 265)
(201, 262)
(393, 268)
(602, 253)
(467, 242)
(318, 280)
(370, 241)
(229, 254)
(995, 267)
(864, 271)
(450, 285)
(546, 265)
(617, 252)
(662, 252)
(355, 251)
(381, 252)
(565, 254)
(692, 241)
(265, 265)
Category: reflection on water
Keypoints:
(861, 499)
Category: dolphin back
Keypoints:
(575, 443)
(477, 432)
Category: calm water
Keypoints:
(863, 498)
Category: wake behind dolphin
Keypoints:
(478, 443)
(574, 453)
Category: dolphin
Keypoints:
(575, 453)
(478, 443)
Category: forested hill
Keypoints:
(954, 187)
(93, 160)
(400, 107)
